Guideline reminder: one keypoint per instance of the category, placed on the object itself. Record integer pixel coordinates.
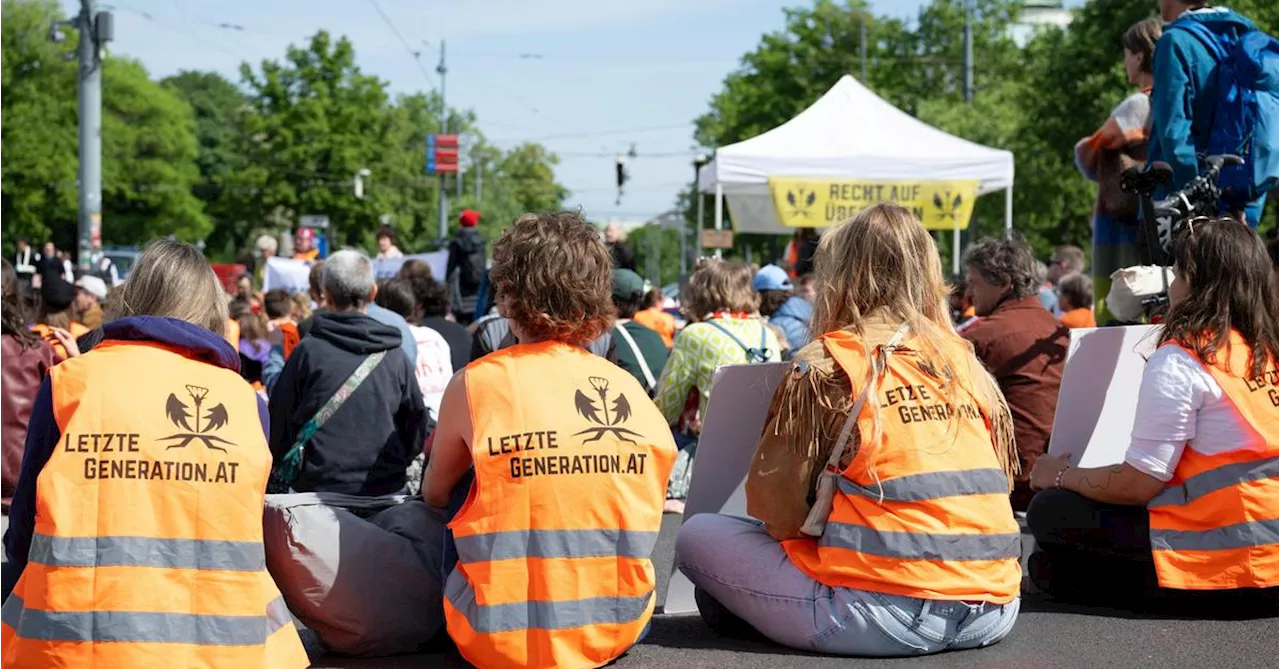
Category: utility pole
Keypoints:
(968, 50)
(862, 45)
(95, 31)
(477, 166)
(698, 162)
(444, 128)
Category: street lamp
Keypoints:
(698, 161)
(359, 182)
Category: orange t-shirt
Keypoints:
(1079, 318)
(659, 321)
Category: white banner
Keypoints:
(292, 275)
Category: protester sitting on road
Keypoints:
(1193, 505)
(789, 313)
(372, 310)
(432, 309)
(652, 316)
(920, 548)
(149, 513)
(346, 412)
(434, 367)
(1022, 345)
(24, 360)
(386, 239)
(570, 463)
(57, 312)
(720, 303)
(1075, 298)
(639, 349)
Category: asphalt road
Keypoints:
(1048, 635)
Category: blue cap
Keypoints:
(771, 277)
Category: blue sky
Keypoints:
(605, 74)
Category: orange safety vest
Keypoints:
(554, 542)
(924, 511)
(148, 547)
(659, 321)
(1214, 526)
(313, 254)
(46, 333)
(291, 338)
(792, 256)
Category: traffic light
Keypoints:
(622, 177)
(442, 154)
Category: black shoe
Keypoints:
(721, 620)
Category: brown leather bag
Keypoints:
(1112, 163)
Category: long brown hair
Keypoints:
(12, 315)
(173, 280)
(884, 260)
(1231, 286)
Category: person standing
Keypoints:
(466, 266)
(1121, 143)
(304, 245)
(553, 544)
(619, 250)
(1185, 95)
(145, 547)
(25, 262)
(386, 239)
(25, 360)
(1021, 343)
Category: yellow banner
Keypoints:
(818, 203)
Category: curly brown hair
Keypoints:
(553, 276)
(1005, 260)
(1232, 286)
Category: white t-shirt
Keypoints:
(1180, 404)
(435, 366)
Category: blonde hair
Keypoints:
(172, 280)
(884, 260)
(717, 285)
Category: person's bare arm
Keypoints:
(451, 449)
(1117, 484)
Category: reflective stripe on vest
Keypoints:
(147, 552)
(555, 540)
(924, 511)
(553, 615)
(136, 627)
(1215, 525)
(147, 549)
(555, 544)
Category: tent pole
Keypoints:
(1008, 212)
(719, 210)
(955, 248)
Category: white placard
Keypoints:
(387, 268)
(1099, 393)
(291, 275)
(731, 427)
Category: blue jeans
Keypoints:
(748, 572)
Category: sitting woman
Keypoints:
(1075, 301)
(724, 330)
(1193, 505)
(914, 547)
(129, 449)
(570, 461)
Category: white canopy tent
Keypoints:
(849, 133)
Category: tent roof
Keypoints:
(852, 133)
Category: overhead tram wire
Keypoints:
(416, 55)
(597, 133)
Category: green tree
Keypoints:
(148, 142)
(657, 250)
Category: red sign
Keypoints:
(227, 274)
(442, 154)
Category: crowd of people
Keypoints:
(528, 457)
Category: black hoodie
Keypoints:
(364, 447)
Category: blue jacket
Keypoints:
(1185, 92)
(793, 319)
(43, 434)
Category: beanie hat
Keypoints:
(469, 218)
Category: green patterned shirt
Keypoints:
(701, 348)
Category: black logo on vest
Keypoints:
(605, 424)
(179, 413)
